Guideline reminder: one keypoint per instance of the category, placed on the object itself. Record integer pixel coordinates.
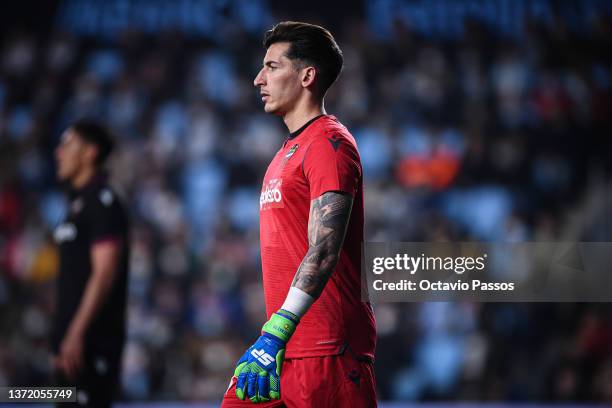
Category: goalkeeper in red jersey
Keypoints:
(317, 348)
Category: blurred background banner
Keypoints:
(484, 121)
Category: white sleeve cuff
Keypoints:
(297, 302)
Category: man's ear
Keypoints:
(309, 75)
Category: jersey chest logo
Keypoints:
(271, 195)
(65, 232)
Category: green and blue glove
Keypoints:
(258, 370)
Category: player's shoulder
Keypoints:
(329, 127)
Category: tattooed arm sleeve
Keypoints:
(327, 224)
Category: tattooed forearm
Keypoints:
(329, 216)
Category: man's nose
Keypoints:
(259, 80)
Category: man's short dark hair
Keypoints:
(311, 44)
(96, 134)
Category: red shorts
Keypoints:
(329, 381)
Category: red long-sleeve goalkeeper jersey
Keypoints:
(320, 157)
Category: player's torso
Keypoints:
(285, 195)
(73, 239)
(284, 207)
(284, 211)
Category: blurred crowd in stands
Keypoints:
(479, 138)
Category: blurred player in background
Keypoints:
(320, 333)
(89, 326)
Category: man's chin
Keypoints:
(272, 110)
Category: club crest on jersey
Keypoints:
(291, 151)
(106, 197)
(271, 195)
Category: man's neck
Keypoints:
(302, 114)
(83, 178)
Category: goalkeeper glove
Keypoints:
(259, 369)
